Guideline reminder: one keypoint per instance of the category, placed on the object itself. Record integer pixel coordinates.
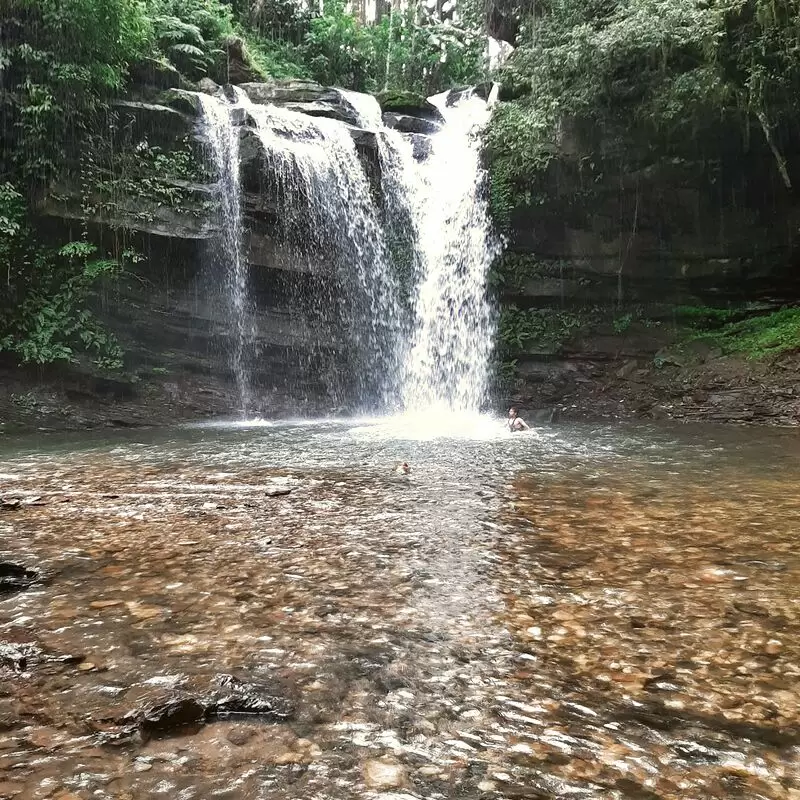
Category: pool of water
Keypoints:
(578, 611)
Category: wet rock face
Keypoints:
(15, 577)
(405, 123)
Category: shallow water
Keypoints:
(577, 612)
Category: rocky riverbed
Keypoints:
(274, 611)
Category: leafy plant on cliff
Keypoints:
(44, 312)
(545, 327)
(645, 78)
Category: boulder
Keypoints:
(408, 124)
(329, 107)
(207, 86)
(482, 90)
(236, 66)
(156, 73)
(182, 101)
(283, 91)
(421, 145)
(154, 121)
(414, 105)
(168, 711)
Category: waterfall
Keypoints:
(401, 267)
(328, 216)
(448, 358)
(222, 138)
(437, 213)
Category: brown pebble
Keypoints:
(240, 735)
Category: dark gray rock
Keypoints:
(284, 91)
(421, 145)
(170, 712)
(156, 73)
(154, 120)
(235, 65)
(182, 101)
(207, 86)
(408, 124)
(15, 577)
(137, 214)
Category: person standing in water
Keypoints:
(515, 421)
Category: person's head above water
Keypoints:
(512, 412)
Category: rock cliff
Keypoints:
(152, 192)
(604, 264)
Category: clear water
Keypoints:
(576, 612)
(222, 137)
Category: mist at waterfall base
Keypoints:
(401, 324)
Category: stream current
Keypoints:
(578, 612)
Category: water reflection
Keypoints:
(581, 612)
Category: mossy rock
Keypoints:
(155, 72)
(180, 100)
(402, 102)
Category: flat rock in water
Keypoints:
(170, 712)
(279, 491)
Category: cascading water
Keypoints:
(328, 216)
(447, 362)
(409, 295)
(222, 137)
(403, 208)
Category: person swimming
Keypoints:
(515, 421)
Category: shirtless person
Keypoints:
(515, 421)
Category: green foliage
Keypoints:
(758, 336)
(410, 51)
(278, 59)
(63, 59)
(399, 99)
(12, 211)
(519, 149)
(706, 317)
(621, 323)
(639, 80)
(545, 327)
(512, 271)
(141, 174)
(338, 49)
(44, 314)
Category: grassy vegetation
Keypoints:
(754, 337)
